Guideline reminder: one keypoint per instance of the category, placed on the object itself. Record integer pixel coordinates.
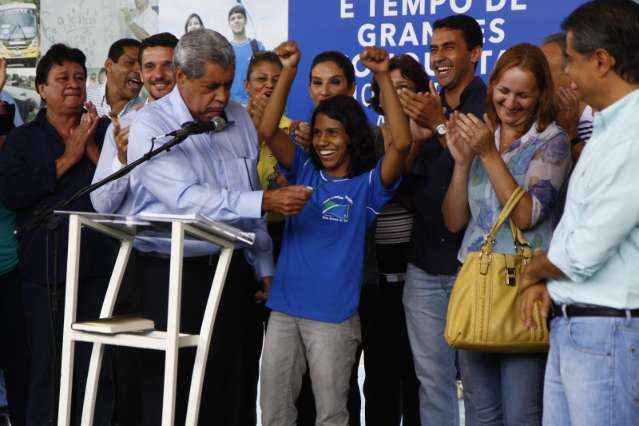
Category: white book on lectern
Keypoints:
(117, 324)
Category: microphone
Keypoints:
(217, 124)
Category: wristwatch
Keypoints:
(441, 129)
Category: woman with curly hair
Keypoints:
(316, 287)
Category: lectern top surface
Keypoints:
(159, 224)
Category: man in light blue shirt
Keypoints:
(591, 271)
(215, 175)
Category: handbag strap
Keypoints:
(518, 236)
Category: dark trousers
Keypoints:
(14, 354)
(391, 388)
(126, 362)
(45, 331)
(230, 384)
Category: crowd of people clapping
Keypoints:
(360, 229)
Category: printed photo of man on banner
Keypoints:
(250, 26)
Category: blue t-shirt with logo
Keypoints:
(319, 271)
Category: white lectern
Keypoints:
(126, 229)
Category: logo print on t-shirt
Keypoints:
(337, 208)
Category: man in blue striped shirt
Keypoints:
(589, 274)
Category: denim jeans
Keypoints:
(425, 303)
(592, 376)
(504, 389)
(330, 351)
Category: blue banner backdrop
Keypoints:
(405, 26)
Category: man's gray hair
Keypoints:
(199, 47)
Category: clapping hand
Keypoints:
(91, 150)
(76, 144)
(480, 135)
(121, 137)
(423, 108)
(255, 107)
(456, 144)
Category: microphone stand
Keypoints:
(45, 214)
(52, 221)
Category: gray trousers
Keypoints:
(329, 349)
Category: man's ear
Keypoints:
(604, 61)
(180, 76)
(108, 65)
(475, 54)
(39, 89)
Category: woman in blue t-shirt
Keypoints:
(317, 281)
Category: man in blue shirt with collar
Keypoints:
(589, 274)
(214, 175)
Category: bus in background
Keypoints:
(19, 37)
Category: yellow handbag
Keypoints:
(483, 311)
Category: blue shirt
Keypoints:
(319, 271)
(596, 244)
(212, 174)
(112, 197)
(243, 53)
